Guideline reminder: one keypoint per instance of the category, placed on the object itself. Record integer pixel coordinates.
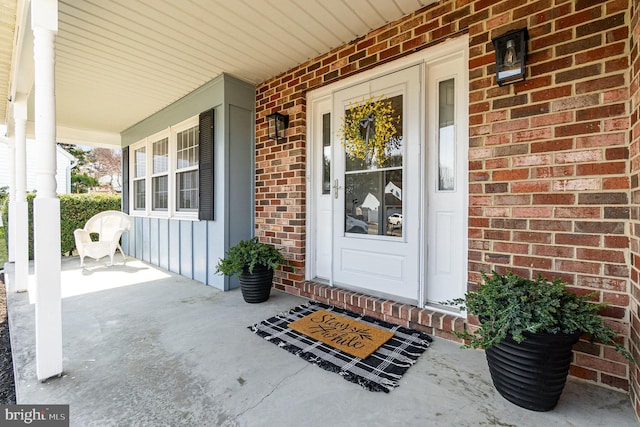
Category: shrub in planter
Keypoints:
(528, 328)
(254, 263)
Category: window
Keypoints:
(446, 136)
(326, 153)
(373, 192)
(165, 183)
(160, 178)
(139, 175)
(187, 170)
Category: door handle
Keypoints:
(336, 188)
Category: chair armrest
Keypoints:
(115, 238)
(118, 233)
(82, 236)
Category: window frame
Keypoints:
(155, 140)
(136, 178)
(171, 211)
(184, 126)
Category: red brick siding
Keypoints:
(553, 149)
(634, 231)
(549, 189)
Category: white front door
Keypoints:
(397, 229)
(376, 216)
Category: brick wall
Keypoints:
(548, 159)
(634, 148)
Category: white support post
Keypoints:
(21, 276)
(12, 202)
(46, 206)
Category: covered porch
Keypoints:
(549, 182)
(144, 346)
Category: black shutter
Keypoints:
(205, 167)
(125, 180)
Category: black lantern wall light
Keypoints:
(278, 123)
(511, 54)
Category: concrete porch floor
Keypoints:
(146, 347)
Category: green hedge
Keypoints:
(4, 234)
(75, 210)
(4, 245)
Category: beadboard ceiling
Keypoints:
(7, 32)
(119, 61)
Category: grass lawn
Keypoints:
(3, 250)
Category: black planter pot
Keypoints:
(256, 286)
(532, 373)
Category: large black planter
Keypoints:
(256, 286)
(532, 373)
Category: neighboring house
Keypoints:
(64, 161)
(538, 177)
(111, 183)
(395, 189)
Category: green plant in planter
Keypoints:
(248, 254)
(512, 305)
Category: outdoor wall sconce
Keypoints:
(278, 123)
(511, 54)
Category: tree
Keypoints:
(78, 153)
(93, 166)
(107, 163)
(81, 182)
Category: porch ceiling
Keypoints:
(118, 62)
(7, 31)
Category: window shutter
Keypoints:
(125, 180)
(205, 167)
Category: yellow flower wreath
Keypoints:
(368, 130)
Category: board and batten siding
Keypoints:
(192, 248)
(179, 246)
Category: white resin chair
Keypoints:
(109, 225)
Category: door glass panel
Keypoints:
(326, 153)
(373, 182)
(374, 202)
(446, 136)
(393, 153)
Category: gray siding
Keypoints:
(154, 248)
(163, 243)
(186, 248)
(174, 246)
(146, 238)
(200, 264)
(138, 242)
(241, 121)
(193, 248)
(187, 241)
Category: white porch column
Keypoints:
(12, 202)
(46, 206)
(21, 225)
